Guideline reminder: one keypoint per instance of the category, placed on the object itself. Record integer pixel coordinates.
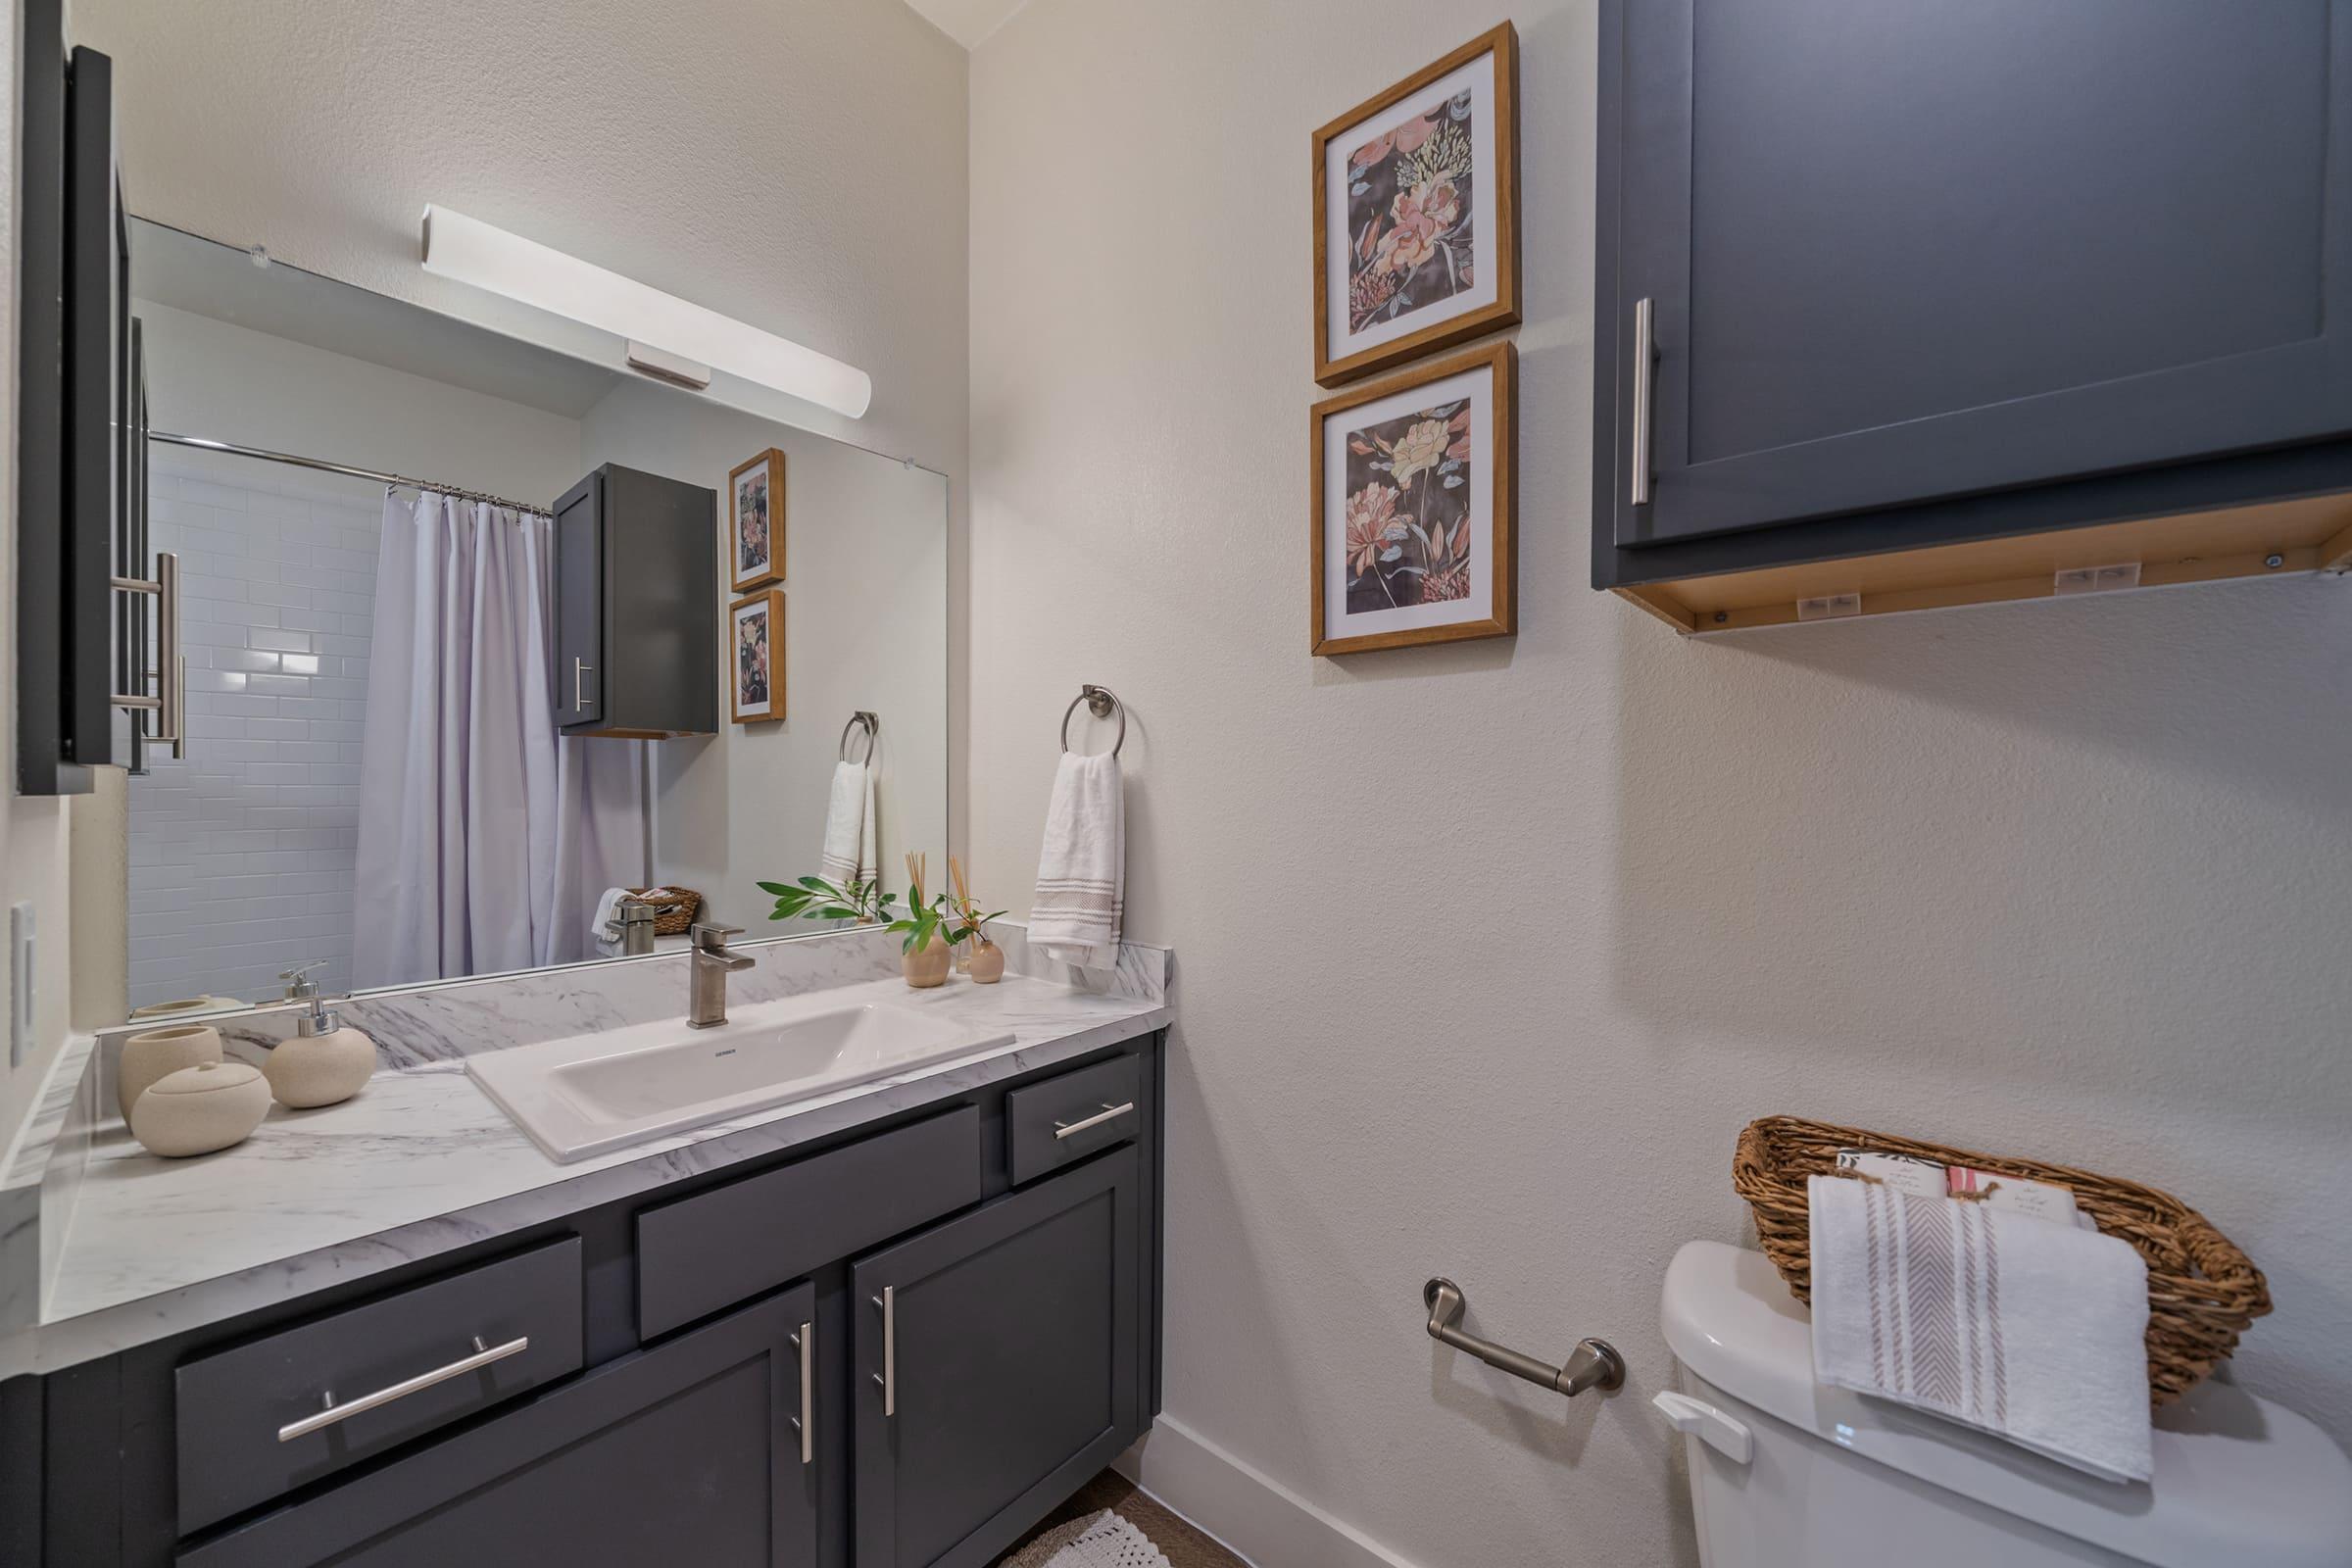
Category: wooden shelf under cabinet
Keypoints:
(2273, 540)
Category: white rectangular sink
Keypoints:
(590, 1093)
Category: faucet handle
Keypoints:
(299, 985)
(713, 938)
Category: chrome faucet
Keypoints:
(709, 962)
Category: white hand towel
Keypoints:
(849, 849)
(2032, 1330)
(608, 910)
(1081, 873)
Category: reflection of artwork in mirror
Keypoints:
(758, 665)
(755, 533)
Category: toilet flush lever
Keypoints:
(1710, 1426)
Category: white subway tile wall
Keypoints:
(242, 855)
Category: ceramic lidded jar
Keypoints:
(156, 1054)
(325, 1063)
(201, 1109)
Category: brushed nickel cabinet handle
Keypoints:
(578, 670)
(170, 698)
(1070, 1129)
(1645, 353)
(888, 1377)
(805, 1342)
(481, 1358)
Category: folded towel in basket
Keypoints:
(2032, 1330)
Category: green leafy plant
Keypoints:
(815, 897)
(924, 918)
(964, 915)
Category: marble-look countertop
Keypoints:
(423, 1162)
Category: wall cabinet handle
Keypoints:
(805, 1342)
(1645, 354)
(169, 699)
(579, 701)
(888, 1377)
(1070, 1129)
(482, 1356)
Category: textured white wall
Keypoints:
(1488, 952)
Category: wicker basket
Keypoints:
(2202, 1290)
(674, 909)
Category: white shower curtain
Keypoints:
(484, 837)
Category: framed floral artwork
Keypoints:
(1417, 214)
(755, 522)
(755, 672)
(1414, 496)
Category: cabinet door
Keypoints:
(581, 605)
(1899, 253)
(997, 1367)
(689, 1453)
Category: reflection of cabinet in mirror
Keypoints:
(636, 607)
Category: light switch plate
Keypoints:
(20, 970)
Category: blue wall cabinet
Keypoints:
(1878, 279)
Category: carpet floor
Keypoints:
(1184, 1546)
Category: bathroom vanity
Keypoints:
(894, 1328)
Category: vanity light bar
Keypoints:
(473, 252)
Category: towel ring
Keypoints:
(1098, 702)
(860, 719)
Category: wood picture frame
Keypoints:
(755, 522)
(1377, 542)
(756, 680)
(1422, 181)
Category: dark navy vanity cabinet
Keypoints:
(897, 1347)
(1876, 277)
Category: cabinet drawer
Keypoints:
(234, 1409)
(707, 1252)
(1049, 1125)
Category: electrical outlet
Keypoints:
(20, 970)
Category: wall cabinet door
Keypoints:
(997, 1367)
(1897, 254)
(581, 605)
(688, 1454)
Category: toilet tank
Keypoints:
(1830, 1477)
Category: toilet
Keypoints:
(1787, 1473)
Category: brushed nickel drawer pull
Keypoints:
(1645, 359)
(481, 1358)
(1109, 1112)
(579, 701)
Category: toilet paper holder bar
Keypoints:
(1594, 1364)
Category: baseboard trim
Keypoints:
(1248, 1512)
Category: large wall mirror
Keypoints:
(604, 634)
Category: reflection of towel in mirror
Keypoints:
(849, 853)
(607, 910)
(2032, 1330)
(1081, 873)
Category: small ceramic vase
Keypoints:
(198, 1109)
(321, 1069)
(158, 1054)
(988, 962)
(925, 966)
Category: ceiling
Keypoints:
(967, 22)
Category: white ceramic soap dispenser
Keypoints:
(324, 1062)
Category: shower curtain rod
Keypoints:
(234, 450)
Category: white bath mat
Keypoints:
(1104, 1541)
